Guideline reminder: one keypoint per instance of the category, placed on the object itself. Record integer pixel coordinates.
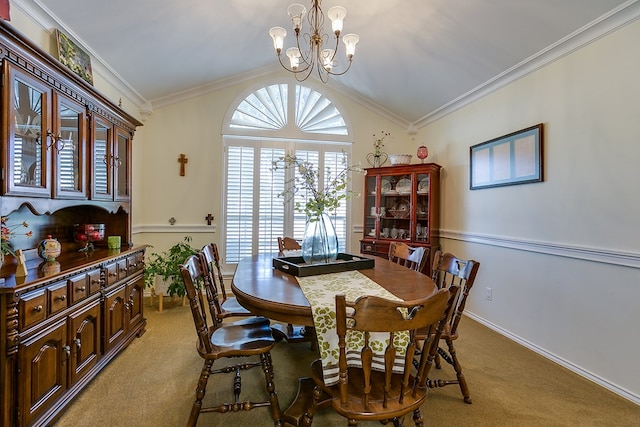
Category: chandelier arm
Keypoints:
(291, 70)
(340, 73)
(309, 58)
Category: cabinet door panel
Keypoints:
(43, 374)
(29, 107)
(84, 327)
(135, 291)
(115, 313)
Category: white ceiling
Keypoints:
(414, 57)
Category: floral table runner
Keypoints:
(320, 291)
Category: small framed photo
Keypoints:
(74, 58)
(510, 159)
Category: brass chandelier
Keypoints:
(310, 53)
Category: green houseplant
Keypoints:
(166, 266)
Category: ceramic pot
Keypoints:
(49, 249)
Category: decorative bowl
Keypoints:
(400, 159)
(399, 213)
(87, 234)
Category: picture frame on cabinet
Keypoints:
(515, 158)
(73, 57)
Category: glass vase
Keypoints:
(320, 241)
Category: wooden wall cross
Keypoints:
(209, 218)
(183, 161)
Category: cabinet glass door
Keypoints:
(67, 150)
(102, 161)
(422, 207)
(122, 165)
(395, 205)
(27, 146)
(371, 209)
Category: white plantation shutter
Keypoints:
(239, 203)
(254, 215)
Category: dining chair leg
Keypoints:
(201, 389)
(267, 368)
(462, 381)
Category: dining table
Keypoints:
(275, 294)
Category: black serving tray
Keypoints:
(295, 265)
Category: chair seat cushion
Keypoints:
(376, 410)
(231, 306)
(244, 337)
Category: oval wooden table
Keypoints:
(274, 294)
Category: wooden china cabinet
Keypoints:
(65, 160)
(402, 203)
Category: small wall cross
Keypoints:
(183, 161)
(209, 218)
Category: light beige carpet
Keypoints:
(152, 383)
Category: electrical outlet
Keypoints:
(489, 294)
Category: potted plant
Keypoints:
(166, 266)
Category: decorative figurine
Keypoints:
(422, 153)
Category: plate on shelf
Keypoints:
(423, 186)
(386, 186)
(404, 186)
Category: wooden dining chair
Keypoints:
(414, 258)
(447, 271)
(250, 336)
(227, 306)
(288, 244)
(292, 333)
(377, 390)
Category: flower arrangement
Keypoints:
(378, 142)
(324, 199)
(7, 232)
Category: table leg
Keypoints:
(293, 414)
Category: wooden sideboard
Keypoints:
(62, 324)
(65, 160)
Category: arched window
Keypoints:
(258, 131)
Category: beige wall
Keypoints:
(561, 256)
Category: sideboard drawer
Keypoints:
(32, 308)
(94, 281)
(78, 288)
(57, 297)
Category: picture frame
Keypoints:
(515, 158)
(73, 57)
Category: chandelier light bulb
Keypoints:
(278, 34)
(327, 58)
(294, 57)
(350, 41)
(296, 11)
(337, 14)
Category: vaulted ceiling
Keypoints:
(415, 57)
